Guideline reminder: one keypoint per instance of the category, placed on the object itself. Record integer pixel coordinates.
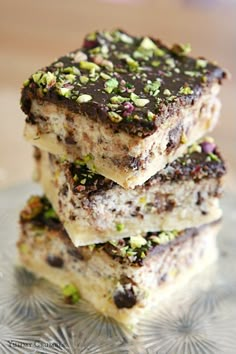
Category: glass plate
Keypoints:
(34, 319)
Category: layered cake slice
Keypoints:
(130, 104)
(120, 278)
(94, 209)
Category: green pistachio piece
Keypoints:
(120, 227)
(111, 84)
(87, 65)
(115, 117)
(213, 157)
(24, 248)
(84, 98)
(105, 76)
(139, 102)
(167, 92)
(170, 62)
(80, 56)
(71, 70)
(181, 49)
(151, 116)
(70, 292)
(153, 87)
(186, 90)
(195, 148)
(155, 63)
(64, 91)
(201, 63)
(119, 99)
(26, 83)
(125, 38)
(50, 214)
(183, 138)
(84, 79)
(37, 76)
(192, 73)
(148, 44)
(137, 241)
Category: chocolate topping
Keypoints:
(130, 83)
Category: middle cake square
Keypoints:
(94, 209)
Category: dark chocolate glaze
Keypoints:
(173, 70)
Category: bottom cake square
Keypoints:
(121, 278)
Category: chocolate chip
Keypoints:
(70, 140)
(125, 299)
(55, 261)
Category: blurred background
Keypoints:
(33, 33)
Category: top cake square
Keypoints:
(125, 105)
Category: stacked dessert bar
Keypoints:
(131, 186)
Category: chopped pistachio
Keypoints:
(195, 148)
(26, 83)
(153, 87)
(155, 63)
(115, 117)
(87, 65)
(64, 91)
(132, 64)
(177, 70)
(119, 99)
(83, 181)
(91, 247)
(37, 76)
(84, 98)
(125, 38)
(105, 76)
(76, 178)
(143, 200)
(192, 73)
(71, 70)
(70, 78)
(183, 138)
(147, 49)
(186, 90)
(139, 102)
(80, 56)
(201, 63)
(170, 62)
(181, 49)
(213, 157)
(84, 79)
(166, 92)
(164, 237)
(150, 115)
(111, 84)
(71, 293)
(113, 106)
(24, 248)
(50, 214)
(120, 227)
(148, 44)
(137, 241)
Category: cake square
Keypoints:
(94, 209)
(126, 105)
(121, 279)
